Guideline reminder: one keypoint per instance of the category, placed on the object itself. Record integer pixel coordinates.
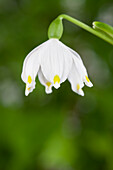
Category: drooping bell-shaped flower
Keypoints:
(54, 62)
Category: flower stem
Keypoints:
(87, 28)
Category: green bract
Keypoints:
(103, 27)
(55, 29)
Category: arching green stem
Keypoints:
(99, 34)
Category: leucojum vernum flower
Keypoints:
(54, 62)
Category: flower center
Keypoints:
(87, 79)
(48, 84)
(29, 80)
(56, 79)
(78, 86)
(28, 88)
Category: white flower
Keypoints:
(54, 62)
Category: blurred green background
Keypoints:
(61, 131)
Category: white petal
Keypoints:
(88, 82)
(80, 66)
(71, 50)
(51, 64)
(31, 67)
(81, 92)
(81, 69)
(28, 91)
(57, 85)
(48, 90)
(76, 81)
(67, 64)
(44, 81)
(29, 88)
(32, 63)
(56, 61)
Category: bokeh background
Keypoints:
(60, 131)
